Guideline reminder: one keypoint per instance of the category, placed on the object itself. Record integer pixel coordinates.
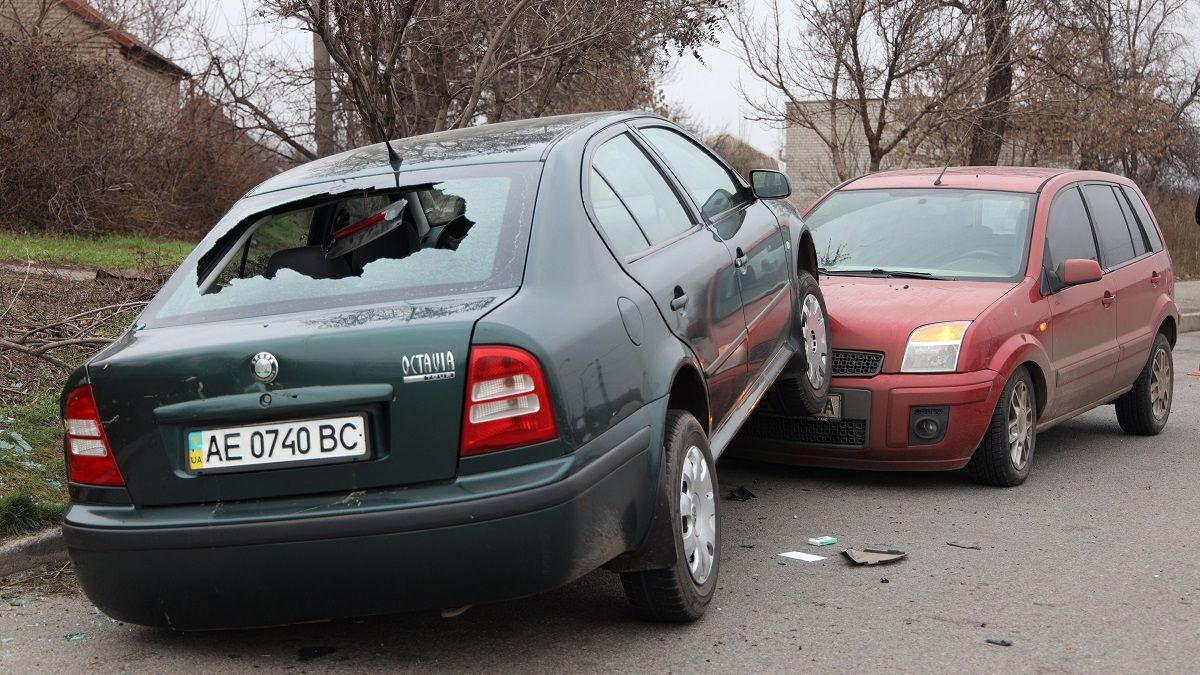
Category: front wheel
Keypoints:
(806, 395)
(1005, 454)
(1143, 410)
(681, 592)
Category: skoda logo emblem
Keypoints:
(264, 366)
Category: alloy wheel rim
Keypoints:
(1160, 385)
(816, 349)
(698, 511)
(1020, 425)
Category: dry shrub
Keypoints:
(1176, 213)
(86, 153)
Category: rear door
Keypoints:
(749, 229)
(1084, 317)
(686, 268)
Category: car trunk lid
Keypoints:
(401, 365)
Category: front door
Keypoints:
(749, 229)
(1137, 273)
(685, 267)
(1084, 349)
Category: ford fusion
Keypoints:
(975, 307)
(459, 368)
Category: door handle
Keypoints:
(740, 261)
(1108, 299)
(680, 300)
(1155, 277)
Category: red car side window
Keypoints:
(1069, 231)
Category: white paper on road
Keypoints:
(806, 557)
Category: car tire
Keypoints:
(1005, 454)
(681, 592)
(806, 395)
(1143, 410)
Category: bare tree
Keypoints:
(402, 67)
(1126, 85)
(883, 73)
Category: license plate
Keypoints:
(334, 439)
(833, 408)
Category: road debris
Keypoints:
(822, 541)
(999, 643)
(310, 653)
(884, 580)
(804, 557)
(963, 544)
(76, 637)
(741, 494)
(873, 556)
(746, 545)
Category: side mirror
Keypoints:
(769, 184)
(1079, 271)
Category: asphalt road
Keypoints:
(1090, 566)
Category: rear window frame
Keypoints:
(250, 209)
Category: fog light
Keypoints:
(927, 428)
(927, 424)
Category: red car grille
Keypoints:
(808, 430)
(848, 363)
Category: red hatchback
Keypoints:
(972, 308)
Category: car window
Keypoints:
(1143, 216)
(965, 234)
(710, 185)
(616, 220)
(1068, 234)
(1140, 244)
(466, 231)
(642, 189)
(1116, 246)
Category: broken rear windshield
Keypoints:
(459, 230)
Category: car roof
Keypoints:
(1008, 178)
(516, 141)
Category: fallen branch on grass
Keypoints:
(89, 330)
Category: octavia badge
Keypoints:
(264, 366)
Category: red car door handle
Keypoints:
(1108, 299)
(1155, 277)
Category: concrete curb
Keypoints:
(1190, 322)
(44, 548)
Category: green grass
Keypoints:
(109, 252)
(31, 463)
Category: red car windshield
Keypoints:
(920, 232)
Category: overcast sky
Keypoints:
(708, 91)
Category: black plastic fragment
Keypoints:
(999, 643)
(741, 494)
(961, 544)
(873, 556)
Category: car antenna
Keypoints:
(394, 157)
(938, 180)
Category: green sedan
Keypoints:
(459, 368)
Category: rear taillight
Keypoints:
(508, 404)
(89, 457)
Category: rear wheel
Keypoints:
(806, 395)
(1143, 410)
(1005, 454)
(681, 592)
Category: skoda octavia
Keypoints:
(975, 307)
(459, 368)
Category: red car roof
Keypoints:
(1010, 178)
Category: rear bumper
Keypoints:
(882, 405)
(534, 529)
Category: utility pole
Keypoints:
(322, 84)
